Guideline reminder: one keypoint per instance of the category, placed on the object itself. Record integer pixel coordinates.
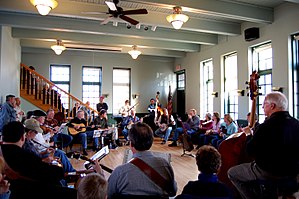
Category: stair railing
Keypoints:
(40, 88)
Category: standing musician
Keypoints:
(274, 147)
(124, 110)
(59, 138)
(102, 104)
(128, 122)
(165, 124)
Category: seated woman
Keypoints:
(204, 126)
(208, 161)
(229, 128)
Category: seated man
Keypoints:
(274, 147)
(165, 124)
(101, 123)
(77, 127)
(32, 128)
(191, 126)
(128, 122)
(62, 140)
(26, 171)
(129, 179)
(208, 161)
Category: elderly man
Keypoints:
(130, 179)
(7, 111)
(274, 146)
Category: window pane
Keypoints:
(60, 75)
(231, 85)
(262, 62)
(121, 88)
(91, 85)
(206, 87)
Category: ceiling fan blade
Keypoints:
(134, 12)
(94, 13)
(111, 5)
(128, 19)
(106, 20)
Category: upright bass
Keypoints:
(233, 149)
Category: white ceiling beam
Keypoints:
(94, 27)
(73, 37)
(46, 45)
(216, 8)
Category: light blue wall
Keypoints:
(10, 58)
(285, 24)
(149, 74)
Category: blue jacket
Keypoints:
(7, 114)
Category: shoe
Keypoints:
(96, 148)
(84, 152)
(173, 144)
(163, 142)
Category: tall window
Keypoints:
(92, 84)
(206, 87)
(121, 88)
(262, 63)
(295, 76)
(60, 75)
(230, 85)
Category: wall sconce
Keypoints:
(215, 94)
(105, 95)
(135, 96)
(240, 92)
(276, 88)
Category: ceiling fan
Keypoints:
(117, 12)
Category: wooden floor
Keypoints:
(184, 166)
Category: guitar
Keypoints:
(232, 149)
(77, 128)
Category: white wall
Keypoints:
(285, 23)
(10, 58)
(149, 74)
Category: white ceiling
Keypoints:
(208, 20)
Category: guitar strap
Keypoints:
(151, 174)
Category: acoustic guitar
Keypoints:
(233, 148)
(77, 128)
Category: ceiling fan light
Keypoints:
(177, 19)
(44, 6)
(58, 47)
(134, 52)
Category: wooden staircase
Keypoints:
(44, 94)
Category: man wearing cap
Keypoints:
(25, 165)
(102, 104)
(7, 111)
(32, 128)
(42, 137)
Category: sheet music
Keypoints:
(100, 154)
(97, 133)
(129, 155)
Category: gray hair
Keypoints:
(279, 99)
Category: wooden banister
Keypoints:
(35, 88)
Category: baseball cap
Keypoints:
(33, 124)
